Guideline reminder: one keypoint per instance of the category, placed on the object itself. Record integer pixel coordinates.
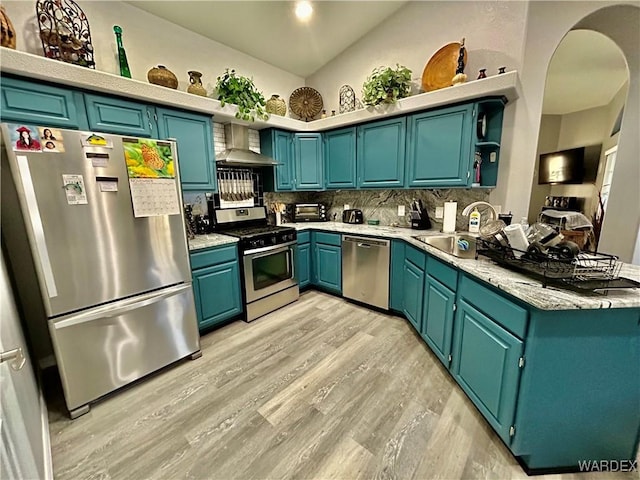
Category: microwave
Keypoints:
(307, 212)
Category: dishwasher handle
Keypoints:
(365, 242)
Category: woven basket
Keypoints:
(8, 32)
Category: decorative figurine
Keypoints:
(482, 74)
(347, 99)
(64, 31)
(122, 55)
(460, 76)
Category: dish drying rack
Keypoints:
(587, 272)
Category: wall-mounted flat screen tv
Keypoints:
(576, 165)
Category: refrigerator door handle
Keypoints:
(36, 225)
(118, 308)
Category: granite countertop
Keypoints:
(210, 240)
(524, 288)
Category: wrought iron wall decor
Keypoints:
(347, 99)
(65, 33)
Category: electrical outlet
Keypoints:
(439, 212)
(401, 210)
(346, 206)
(492, 157)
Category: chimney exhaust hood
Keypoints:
(237, 153)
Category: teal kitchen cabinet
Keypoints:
(216, 285)
(380, 150)
(488, 352)
(41, 104)
(303, 259)
(340, 158)
(308, 161)
(327, 261)
(119, 116)
(194, 135)
(413, 285)
(396, 280)
(279, 146)
(439, 307)
(438, 148)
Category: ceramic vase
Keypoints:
(160, 75)
(196, 84)
(276, 105)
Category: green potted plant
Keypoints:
(241, 91)
(386, 85)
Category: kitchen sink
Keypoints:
(457, 244)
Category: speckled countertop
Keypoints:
(210, 240)
(520, 286)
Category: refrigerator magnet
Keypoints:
(95, 140)
(107, 184)
(25, 138)
(51, 139)
(73, 186)
(98, 159)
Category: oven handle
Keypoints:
(270, 249)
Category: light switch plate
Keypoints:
(346, 206)
(439, 212)
(401, 210)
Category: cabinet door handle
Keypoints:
(149, 117)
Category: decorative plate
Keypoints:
(305, 102)
(481, 127)
(441, 67)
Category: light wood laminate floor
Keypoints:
(319, 389)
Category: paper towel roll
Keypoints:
(449, 219)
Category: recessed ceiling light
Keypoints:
(304, 10)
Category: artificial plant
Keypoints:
(241, 91)
(386, 85)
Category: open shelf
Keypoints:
(44, 69)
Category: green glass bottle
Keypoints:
(122, 55)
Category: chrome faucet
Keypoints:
(467, 209)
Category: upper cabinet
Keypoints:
(122, 117)
(487, 135)
(41, 104)
(438, 145)
(194, 135)
(299, 158)
(380, 151)
(308, 161)
(340, 158)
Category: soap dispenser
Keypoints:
(474, 221)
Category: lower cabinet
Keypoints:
(437, 322)
(413, 286)
(303, 260)
(327, 261)
(396, 282)
(216, 285)
(486, 364)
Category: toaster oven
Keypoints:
(307, 212)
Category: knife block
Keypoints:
(420, 221)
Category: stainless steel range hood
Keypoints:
(237, 153)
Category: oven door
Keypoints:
(268, 270)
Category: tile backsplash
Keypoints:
(383, 204)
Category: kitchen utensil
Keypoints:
(441, 67)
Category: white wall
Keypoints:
(494, 33)
(149, 41)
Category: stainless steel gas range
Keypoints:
(268, 259)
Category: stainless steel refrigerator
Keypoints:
(94, 230)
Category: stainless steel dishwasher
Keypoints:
(365, 270)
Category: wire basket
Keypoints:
(587, 272)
